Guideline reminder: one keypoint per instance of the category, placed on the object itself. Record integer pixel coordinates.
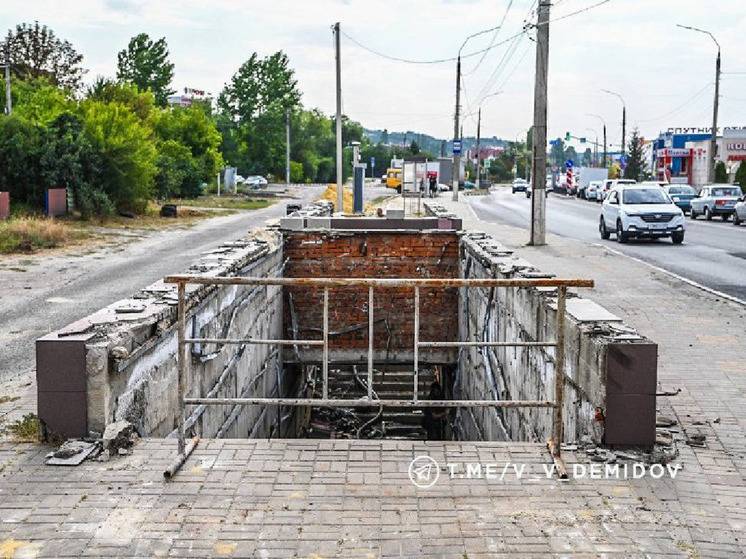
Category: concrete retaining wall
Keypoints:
(119, 363)
(610, 368)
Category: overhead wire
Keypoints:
(494, 38)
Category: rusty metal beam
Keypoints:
(487, 344)
(365, 403)
(252, 341)
(381, 282)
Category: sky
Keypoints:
(633, 47)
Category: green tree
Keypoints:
(197, 158)
(414, 148)
(721, 173)
(40, 102)
(635, 168)
(587, 157)
(558, 152)
(741, 176)
(127, 150)
(252, 113)
(142, 103)
(36, 52)
(145, 64)
(20, 150)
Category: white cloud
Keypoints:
(629, 46)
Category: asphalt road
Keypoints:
(44, 293)
(713, 253)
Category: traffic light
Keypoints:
(567, 136)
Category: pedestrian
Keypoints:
(433, 419)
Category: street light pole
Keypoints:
(624, 115)
(457, 156)
(8, 97)
(479, 129)
(599, 117)
(340, 186)
(713, 139)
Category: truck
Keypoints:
(584, 175)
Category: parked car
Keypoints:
(715, 199)
(609, 184)
(519, 185)
(592, 189)
(681, 194)
(383, 179)
(739, 212)
(255, 181)
(640, 211)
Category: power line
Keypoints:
(677, 109)
(494, 38)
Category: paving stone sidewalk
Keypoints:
(349, 499)
(305, 498)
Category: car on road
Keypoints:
(608, 185)
(640, 211)
(255, 181)
(715, 199)
(519, 185)
(682, 195)
(592, 189)
(739, 212)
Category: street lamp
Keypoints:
(599, 117)
(624, 115)
(457, 157)
(713, 139)
(479, 131)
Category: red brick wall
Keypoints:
(369, 254)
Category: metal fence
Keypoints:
(184, 448)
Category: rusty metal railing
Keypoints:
(554, 442)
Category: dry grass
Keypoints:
(26, 429)
(330, 194)
(226, 202)
(28, 234)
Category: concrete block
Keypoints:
(392, 213)
(318, 222)
(292, 223)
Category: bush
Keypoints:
(127, 151)
(741, 176)
(721, 173)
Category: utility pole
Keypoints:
(479, 130)
(340, 186)
(8, 98)
(714, 138)
(624, 115)
(456, 156)
(287, 146)
(603, 122)
(539, 160)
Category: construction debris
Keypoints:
(120, 434)
(72, 453)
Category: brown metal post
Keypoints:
(559, 370)
(181, 363)
(325, 364)
(416, 341)
(370, 343)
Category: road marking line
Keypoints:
(675, 275)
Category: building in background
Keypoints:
(189, 97)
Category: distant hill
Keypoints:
(427, 142)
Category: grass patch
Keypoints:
(29, 234)
(6, 399)
(25, 430)
(224, 202)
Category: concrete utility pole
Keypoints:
(624, 116)
(714, 139)
(539, 160)
(287, 146)
(457, 156)
(340, 185)
(479, 132)
(8, 97)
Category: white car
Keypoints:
(640, 211)
(519, 185)
(592, 189)
(739, 213)
(607, 185)
(255, 181)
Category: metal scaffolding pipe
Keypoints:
(365, 403)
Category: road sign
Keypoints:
(372, 162)
(456, 147)
(623, 161)
(569, 164)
